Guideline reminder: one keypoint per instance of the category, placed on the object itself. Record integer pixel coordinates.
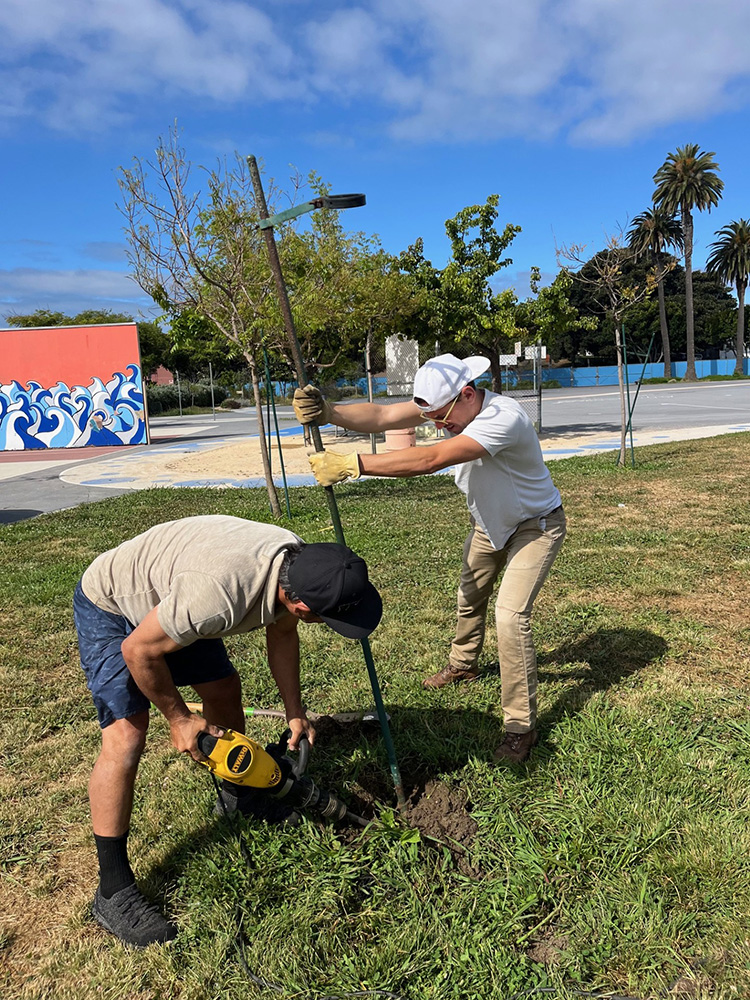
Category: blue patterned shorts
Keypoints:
(115, 693)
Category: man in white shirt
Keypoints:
(518, 524)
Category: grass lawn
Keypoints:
(617, 860)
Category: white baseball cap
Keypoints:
(440, 379)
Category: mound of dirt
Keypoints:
(549, 948)
(441, 811)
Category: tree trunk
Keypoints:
(622, 460)
(307, 440)
(687, 228)
(496, 372)
(739, 365)
(368, 375)
(664, 330)
(273, 497)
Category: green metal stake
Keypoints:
(640, 383)
(266, 226)
(627, 390)
(278, 435)
(268, 425)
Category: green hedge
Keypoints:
(166, 397)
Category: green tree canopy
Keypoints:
(652, 234)
(458, 303)
(48, 317)
(730, 261)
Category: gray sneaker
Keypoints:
(131, 918)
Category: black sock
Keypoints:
(114, 868)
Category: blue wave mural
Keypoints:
(62, 417)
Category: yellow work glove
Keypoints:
(329, 467)
(310, 406)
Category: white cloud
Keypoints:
(90, 56)
(651, 64)
(26, 289)
(602, 71)
(105, 250)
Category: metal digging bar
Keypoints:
(629, 426)
(266, 225)
(640, 383)
(271, 395)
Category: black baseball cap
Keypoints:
(333, 582)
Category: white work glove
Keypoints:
(310, 406)
(330, 467)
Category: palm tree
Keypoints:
(653, 231)
(687, 180)
(730, 261)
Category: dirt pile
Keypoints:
(442, 812)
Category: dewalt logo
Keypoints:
(239, 759)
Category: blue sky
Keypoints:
(565, 109)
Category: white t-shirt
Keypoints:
(210, 576)
(512, 484)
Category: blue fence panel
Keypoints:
(720, 366)
(579, 377)
(562, 375)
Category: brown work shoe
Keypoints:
(449, 675)
(516, 747)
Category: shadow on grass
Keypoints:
(11, 516)
(435, 743)
(594, 663)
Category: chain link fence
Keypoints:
(389, 374)
(392, 371)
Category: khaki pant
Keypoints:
(526, 558)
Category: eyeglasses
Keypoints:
(444, 418)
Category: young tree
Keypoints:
(550, 315)
(195, 343)
(429, 318)
(461, 302)
(606, 275)
(202, 254)
(543, 318)
(340, 286)
(476, 256)
(730, 261)
(652, 233)
(382, 303)
(686, 180)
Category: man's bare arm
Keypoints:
(422, 461)
(144, 651)
(373, 418)
(282, 643)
